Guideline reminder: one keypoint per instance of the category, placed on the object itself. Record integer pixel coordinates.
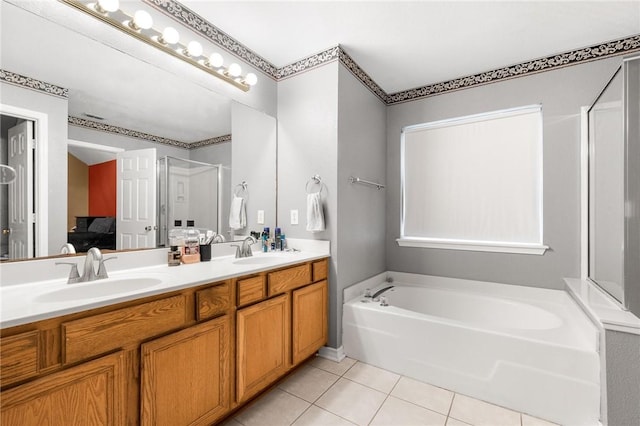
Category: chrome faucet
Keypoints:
(245, 249)
(218, 238)
(89, 273)
(67, 248)
(378, 293)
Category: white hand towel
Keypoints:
(237, 213)
(315, 217)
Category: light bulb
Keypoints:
(251, 79)
(108, 5)
(142, 20)
(169, 36)
(235, 70)
(193, 49)
(215, 60)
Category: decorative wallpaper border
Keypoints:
(212, 141)
(95, 125)
(206, 29)
(561, 60)
(305, 64)
(200, 25)
(361, 75)
(33, 84)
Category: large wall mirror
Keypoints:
(118, 105)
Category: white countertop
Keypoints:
(24, 302)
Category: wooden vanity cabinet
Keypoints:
(186, 375)
(275, 335)
(187, 357)
(263, 336)
(309, 320)
(88, 394)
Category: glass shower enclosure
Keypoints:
(188, 190)
(614, 186)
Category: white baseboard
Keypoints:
(333, 354)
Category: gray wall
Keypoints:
(623, 378)
(361, 209)
(562, 93)
(330, 124)
(56, 109)
(308, 145)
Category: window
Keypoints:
(474, 183)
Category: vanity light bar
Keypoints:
(167, 41)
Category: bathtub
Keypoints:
(528, 349)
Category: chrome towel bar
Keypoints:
(365, 182)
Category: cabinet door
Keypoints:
(309, 320)
(88, 394)
(185, 376)
(263, 345)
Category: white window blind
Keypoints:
(474, 183)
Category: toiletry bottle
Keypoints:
(176, 235)
(265, 239)
(277, 239)
(174, 256)
(283, 242)
(191, 244)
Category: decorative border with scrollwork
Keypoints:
(184, 15)
(33, 84)
(206, 29)
(587, 54)
(212, 141)
(95, 125)
(361, 75)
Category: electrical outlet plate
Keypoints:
(261, 217)
(294, 217)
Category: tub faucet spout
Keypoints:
(377, 294)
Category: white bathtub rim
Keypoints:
(559, 302)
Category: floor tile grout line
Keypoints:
(301, 414)
(419, 406)
(378, 410)
(335, 414)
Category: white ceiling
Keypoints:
(407, 44)
(401, 45)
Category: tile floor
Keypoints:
(327, 393)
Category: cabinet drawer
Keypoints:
(101, 333)
(289, 279)
(213, 301)
(251, 290)
(19, 357)
(320, 270)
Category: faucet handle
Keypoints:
(74, 276)
(237, 250)
(102, 270)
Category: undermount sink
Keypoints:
(98, 288)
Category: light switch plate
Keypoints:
(261, 217)
(294, 217)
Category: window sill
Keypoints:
(522, 248)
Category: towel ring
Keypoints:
(240, 188)
(315, 180)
